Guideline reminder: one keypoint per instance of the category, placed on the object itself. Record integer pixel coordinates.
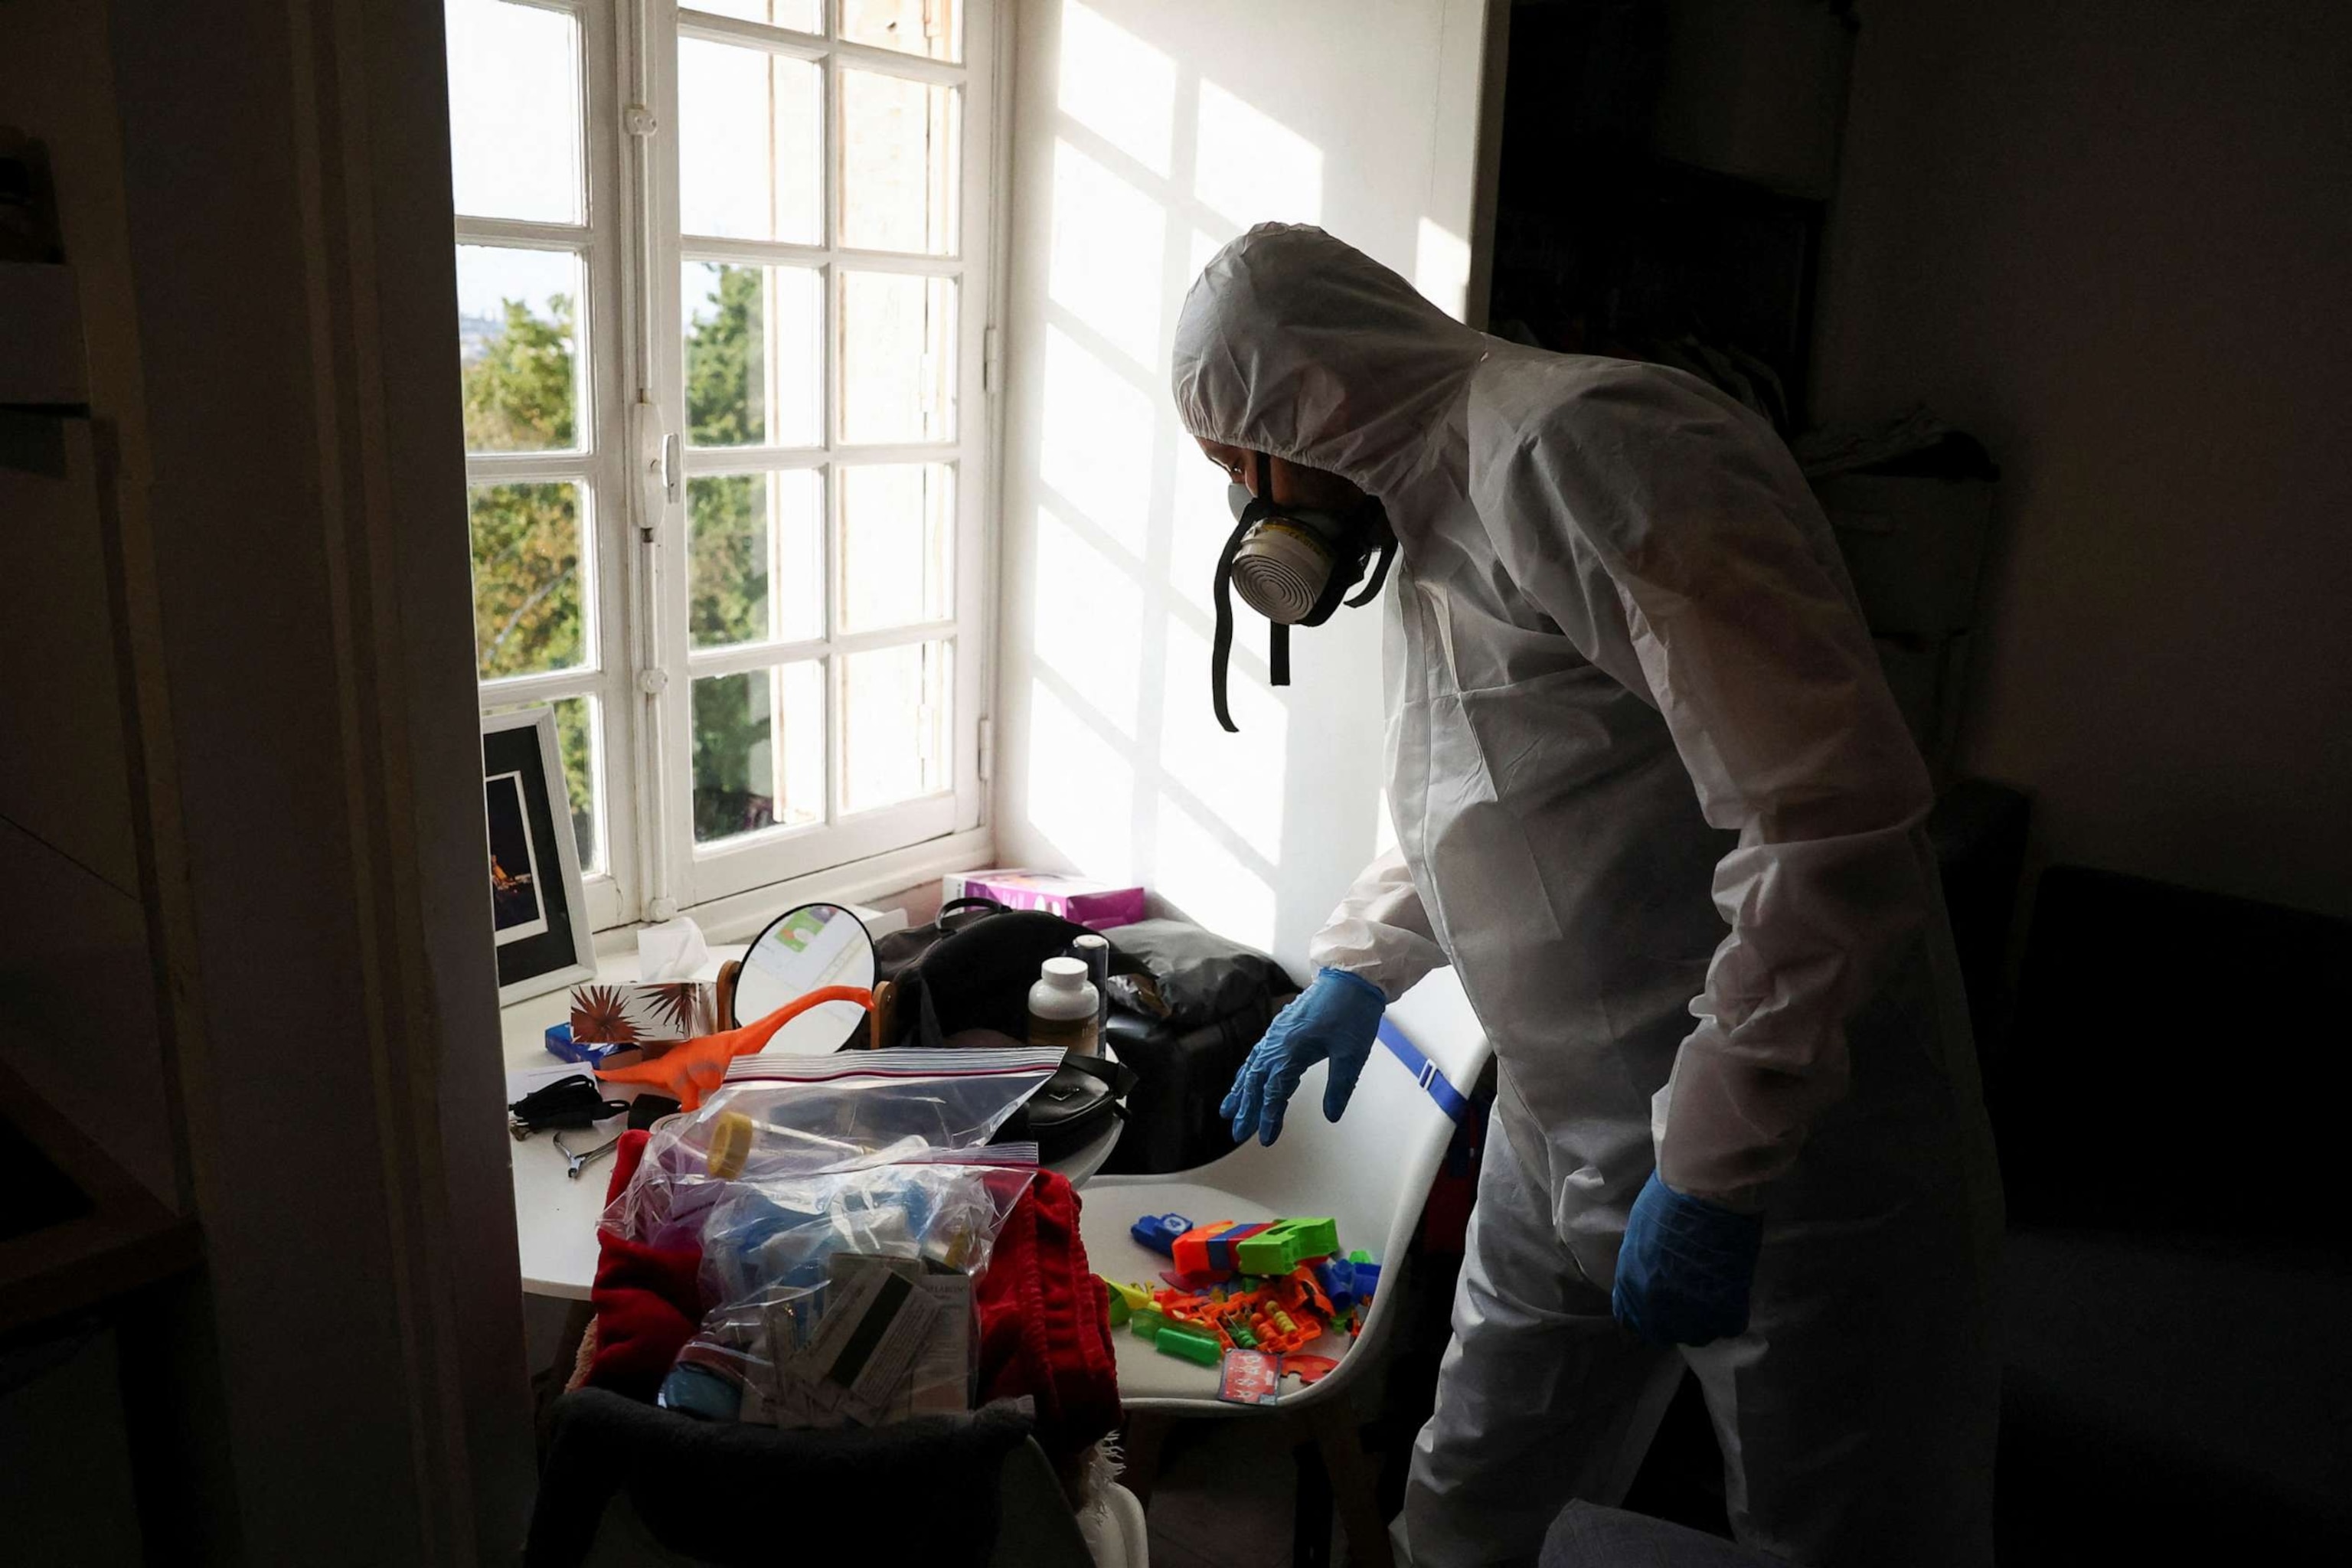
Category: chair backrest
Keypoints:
(1389, 1143)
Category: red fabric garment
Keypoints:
(647, 1303)
(1045, 1321)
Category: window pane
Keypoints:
(898, 164)
(750, 149)
(894, 724)
(898, 522)
(897, 357)
(518, 347)
(802, 15)
(755, 566)
(933, 27)
(758, 751)
(579, 741)
(514, 110)
(752, 354)
(529, 612)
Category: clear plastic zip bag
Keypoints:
(776, 1119)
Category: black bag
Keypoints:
(965, 978)
(1203, 1002)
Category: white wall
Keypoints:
(1145, 136)
(2111, 239)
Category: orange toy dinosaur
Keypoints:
(692, 1069)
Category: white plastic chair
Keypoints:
(1369, 1172)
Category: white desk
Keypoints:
(555, 1216)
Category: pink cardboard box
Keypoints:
(1090, 903)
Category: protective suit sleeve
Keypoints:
(1745, 631)
(1380, 930)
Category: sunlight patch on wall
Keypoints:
(1250, 168)
(1238, 778)
(1081, 789)
(1441, 268)
(1200, 875)
(1106, 261)
(1088, 623)
(1097, 450)
(1118, 87)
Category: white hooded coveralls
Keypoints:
(1644, 770)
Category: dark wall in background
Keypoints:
(2115, 238)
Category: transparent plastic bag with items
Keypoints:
(782, 1119)
(782, 1254)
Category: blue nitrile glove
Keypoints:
(1339, 1017)
(1684, 1267)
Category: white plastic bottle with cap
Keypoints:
(1064, 1009)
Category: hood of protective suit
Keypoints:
(1295, 344)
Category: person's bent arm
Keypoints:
(1380, 930)
(1375, 947)
(1758, 661)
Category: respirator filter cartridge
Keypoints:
(1280, 570)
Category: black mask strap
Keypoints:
(1379, 575)
(1221, 649)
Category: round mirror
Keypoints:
(801, 950)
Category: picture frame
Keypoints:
(539, 914)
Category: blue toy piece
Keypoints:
(1158, 1232)
(1338, 1277)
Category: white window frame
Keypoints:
(635, 461)
(597, 464)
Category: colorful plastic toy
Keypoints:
(1283, 1245)
(1158, 1232)
(1193, 1344)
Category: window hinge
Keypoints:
(638, 120)
(653, 681)
(987, 750)
(992, 359)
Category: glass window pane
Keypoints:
(529, 608)
(752, 354)
(750, 146)
(580, 742)
(898, 522)
(518, 347)
(898, 164)
(514, 110)
(800, 16)
(933, 27)
(755, 558)
(897, 357)
(758, 751)
(894, 724)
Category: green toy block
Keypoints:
(1286, 1244)
(1147, 1323)
(1119, 1310)
(1190, 1344)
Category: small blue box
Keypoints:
(562, 1046)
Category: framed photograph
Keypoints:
(538, 916)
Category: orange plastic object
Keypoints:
(687, 1072)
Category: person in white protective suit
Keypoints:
(1655, 803)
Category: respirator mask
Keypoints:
(1294, 565)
